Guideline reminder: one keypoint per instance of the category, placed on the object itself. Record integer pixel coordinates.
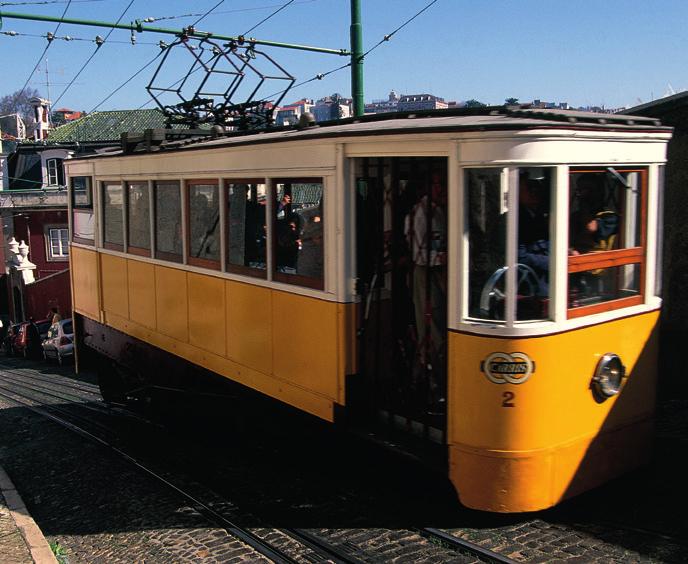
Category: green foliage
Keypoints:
(475, 104)
(511, 101)
(18, 103)
(59, 552)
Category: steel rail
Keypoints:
(254, 541)
(188, 32)
(463, 545)
(320, 545)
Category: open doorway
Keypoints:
(402, 271)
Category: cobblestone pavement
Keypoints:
(13, 549)
(102, 509)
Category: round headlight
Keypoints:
(609, 376)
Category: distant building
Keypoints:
(65, 115)
(383, 106)
(290, 114)
(332, 107)
(41, 113)
(415, 102)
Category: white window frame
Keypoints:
(64, 248)
(54, 175)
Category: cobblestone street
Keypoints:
(101, 508)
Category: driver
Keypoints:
(533, 230)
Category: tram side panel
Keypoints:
(527, 446)
(291, 347)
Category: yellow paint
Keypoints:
(249, 325)
(305, 342)
(207, 312)
(548, 446)
(141, 293)
(171, 303)
(114, 284)
(83, 266)
(300, 398)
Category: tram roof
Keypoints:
(431, 121)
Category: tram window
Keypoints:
(487, 243)
(83, 218)
(603, 285)
(204, 224)
(168, 221)
(299, 231)
(113, 231)
(246, 227)
(534, 237)
(138, 218)
(659, 249)
(606, 238)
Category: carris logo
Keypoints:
(505, 368)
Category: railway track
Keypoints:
(312, 547)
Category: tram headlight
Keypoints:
(609, 376)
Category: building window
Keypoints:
(299, 222)
(606, 239)
(204, 223)
(168, 221)
(246, 227)
(55, 172)
(83, 218)
(58, 243)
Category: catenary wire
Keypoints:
(68, 38)
(98, 46)
(127, 81)
(57, 27)
(236, 10)
(46, 2)
(208, 12)
(277, 11)
(387, 37)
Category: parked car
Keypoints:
(59, 342)
(10, 336)
(26, 346)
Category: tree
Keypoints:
(18, 103)
(511, 101)
(472, 103)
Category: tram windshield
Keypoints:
(510, 220)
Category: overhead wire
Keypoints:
(127, 81)
(35, 3)
(389, 35)
(57, 27)
(385, 38)
(261, 22)
(234, 11)
(98, 46)
(68, 38)
(208, 12)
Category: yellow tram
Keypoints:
(486, 282)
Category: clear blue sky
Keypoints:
(585, 52)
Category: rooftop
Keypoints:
(106, 126)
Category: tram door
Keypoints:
(402, 282)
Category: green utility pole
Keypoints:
(357, 58)
(189, 32)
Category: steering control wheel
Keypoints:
(492, 297)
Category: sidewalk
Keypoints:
(21, 541)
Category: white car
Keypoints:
(59, 343)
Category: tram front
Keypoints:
(552, 335)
